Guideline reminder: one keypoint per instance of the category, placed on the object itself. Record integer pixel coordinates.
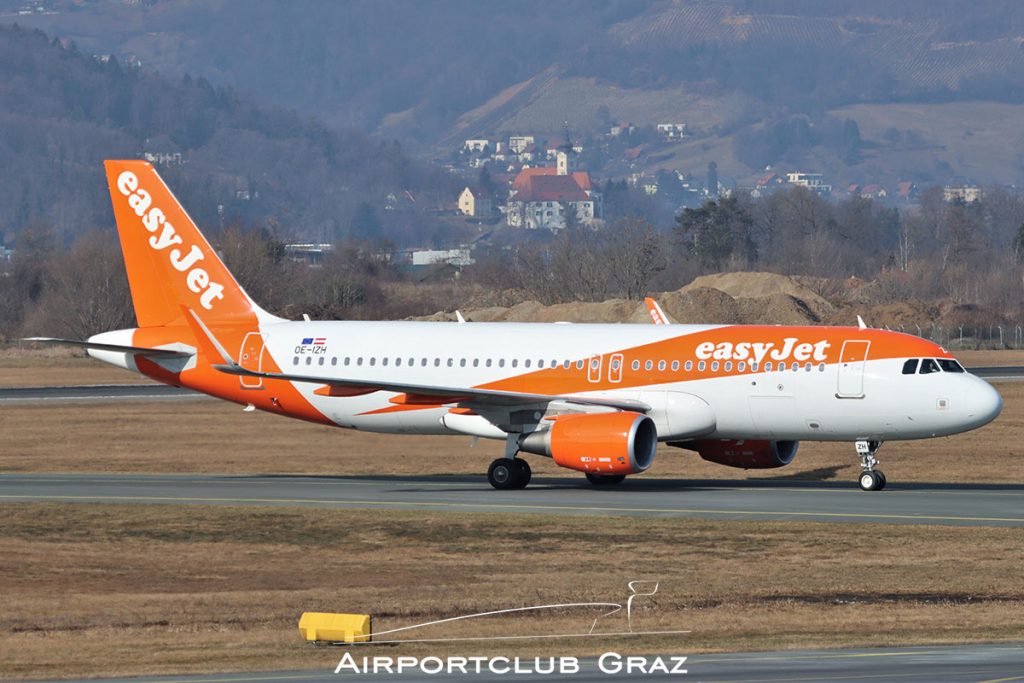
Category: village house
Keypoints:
(545, 198)
(672, 131)
(962, 193)
(475, 203)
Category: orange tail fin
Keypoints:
(169, 262)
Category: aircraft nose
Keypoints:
(983, 403)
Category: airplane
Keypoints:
(596, 398)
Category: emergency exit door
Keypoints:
(852, 360)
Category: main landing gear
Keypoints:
(509, 473)
(870, 478)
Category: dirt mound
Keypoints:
(769, 290)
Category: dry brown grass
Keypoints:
(214, 437)
(58, 366)
(107, 590)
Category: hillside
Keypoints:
(740, 73)
(230, 159)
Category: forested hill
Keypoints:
(62, 112)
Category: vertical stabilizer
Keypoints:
(169, 262)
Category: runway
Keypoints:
(780, 500)
(950, 664)
(94, 392)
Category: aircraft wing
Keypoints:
(431, 394)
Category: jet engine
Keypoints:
(598, 443)
(749, 454)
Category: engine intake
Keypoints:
(749, 454)
(601, 443)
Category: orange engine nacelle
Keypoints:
(601, 443)
(749, 454)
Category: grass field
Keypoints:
(104, 590)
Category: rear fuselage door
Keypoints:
(250, 357)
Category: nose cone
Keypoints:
(983, 403)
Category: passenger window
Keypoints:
(714, 366)
(661, 366)
(295, 361)
(526, 363)
(649, 365)
(383, 361)
(373, 360)
(322, 359)
(767, 366)
(566, 364)
(728, 366)
(515, 362)
(950, 365)
(334, 360)
(398, 362)
(501, 363)
(675, 366)
(359, 361)
(423, 362)
(476, 362)
(540, 364)
(636, 364)
(488, 362)
(782, 366)
(821, 367)
(689, 365)
(910, 366)
(437, 362)
(462, 363)
(412, 362)
(807, 367)
(928, 366)
(753, 366)
(451, 362)
(309, 360)
(579, 365)
(741, 366)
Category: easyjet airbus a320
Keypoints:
(595, 398)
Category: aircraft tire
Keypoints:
(503, 474)
(523, 473)
(871, 480)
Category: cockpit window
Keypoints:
(950, 365)
(910, 367)
(928, 366)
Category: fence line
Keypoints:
(1008, 336)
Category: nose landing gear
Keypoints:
(870, 478)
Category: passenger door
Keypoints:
(852, 359)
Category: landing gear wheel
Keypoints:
(605, 479)
(523, 473)
(502, 474)
(872, 480)
(509, 473)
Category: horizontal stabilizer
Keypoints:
(139, 350)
